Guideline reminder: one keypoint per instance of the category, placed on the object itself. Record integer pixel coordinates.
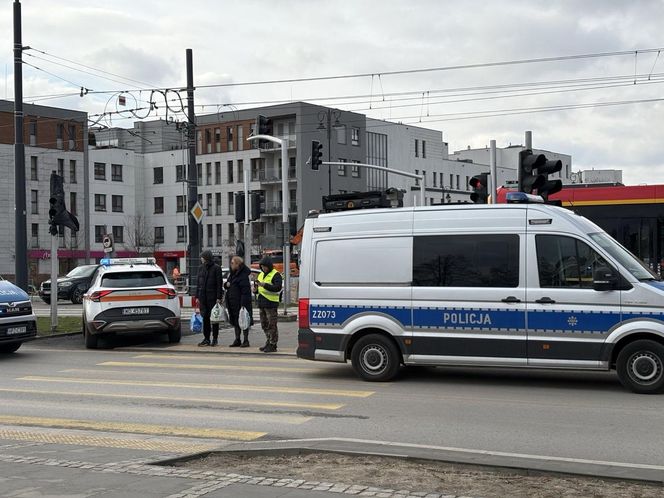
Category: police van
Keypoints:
(17, 320)
(521, 284)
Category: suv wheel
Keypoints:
(375, 358)
(77, 296)
(640, 367)
(9, 348)
(91, 341)
(174, 336)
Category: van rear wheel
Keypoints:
(375, 358)
(640, 367)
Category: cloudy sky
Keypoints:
(143, 44)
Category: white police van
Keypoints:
(512, 285)
(17, 320)
(128, 296)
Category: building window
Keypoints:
(61, 168)
(240, 137)
(467, 182)
(118, 234)
(434, 179)
(208, 141)
(240, 171)
(355, 136)
(424, 177)
(100, 202)
(231, 203)
(158, 175)
(34, 239)
(231, 233)
(34, 201)
(199, 173)
(182, 233)
(199, 142)
(117, 203)
(71, 135)
(179, 173)
(458, 186)
(229, 172)
(100, 171)
(217, 173)
(466, 261)
(208, 173)
(417, 180)
(100, 231)
(217, 203)
(417, 148)
(59, 134)
(424, 149)
(158, 235)
(209, 235)
(73, 209)
(33, 132)
(229, 138)
(208, 204)
(34, 169)
(116, 173)
(158, 205)
(355, 170)
(341, 168)
(180, 203)
(218, 234)
(451, 180)
(341, 134)
(72, 171)
(217, 139)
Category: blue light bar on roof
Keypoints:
(523, 198)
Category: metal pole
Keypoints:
(86, 194)
(284, 218)
(21, 224)
(54, 281)
(194, 252)
(423, 189)
(329, 151)
(529, 140)
(247, 222)
(493, 170)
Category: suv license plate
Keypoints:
(136, 311)
(17, 330)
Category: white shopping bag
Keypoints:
(244, 320)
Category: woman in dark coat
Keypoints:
(238, 295)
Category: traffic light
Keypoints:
(534, 171)
(480, 185)
(58, 216)
(316, 155)
(264, 127)
(239, 207)
(256, 199)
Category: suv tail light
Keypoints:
(168, 292)
(97, 296)
(303, 313)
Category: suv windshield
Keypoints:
(133, 279)
(623, 256)
(82, 271)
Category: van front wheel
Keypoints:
(640, 367)
(375, 358)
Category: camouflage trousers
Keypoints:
(269, 324)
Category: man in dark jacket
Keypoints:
(209, 292)
(268, 288)
(238, 295)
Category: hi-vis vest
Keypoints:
(267, 279)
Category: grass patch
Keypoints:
(66, 325)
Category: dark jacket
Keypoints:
(210, 286)
(275, 286)
(238, 293)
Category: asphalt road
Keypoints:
(249, 397)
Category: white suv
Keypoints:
(130, 295)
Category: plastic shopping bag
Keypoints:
(244, 320)
(218, 314)
(196, 322)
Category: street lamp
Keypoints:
(324, 116)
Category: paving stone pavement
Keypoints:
(212, 484)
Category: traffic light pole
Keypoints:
(247, 219)
(408, 174)
(285, 204)
(194, 253)
(493, 172)
(54, 281)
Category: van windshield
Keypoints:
(623, 256)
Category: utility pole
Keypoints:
(194, 252)
(493, 172)
(529, 140)
(21, 233)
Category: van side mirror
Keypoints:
(604, 279)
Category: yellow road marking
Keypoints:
(220, 401)
(202, 366)
(152, 429)
(148, 444)
(221, 387)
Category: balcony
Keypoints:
(275, 176)
(274, 208)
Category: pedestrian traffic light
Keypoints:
(316, 155)
(58, 216)
(256, 199)
(264, 127)
(534, 171)
(239, 207)
(480, 185)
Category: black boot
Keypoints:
(262, 348)
(245, 343)
(236, 344)
(215, 341)
(270, 348)
(204, 342)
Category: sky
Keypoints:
(143, 44)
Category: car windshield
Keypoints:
(623, 256)
(82, 271)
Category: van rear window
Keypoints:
(133, 279)
(466, 261)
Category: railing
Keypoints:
(274, 176)
(275, 208)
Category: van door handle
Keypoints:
(511, 299)
(545, 300)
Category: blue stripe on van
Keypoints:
(572, 321)
(320, 314)
(468, 318)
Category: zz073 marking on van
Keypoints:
(323, 315)
(339, 314)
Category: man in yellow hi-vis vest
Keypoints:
(268, 288)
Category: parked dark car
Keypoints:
(72, 286)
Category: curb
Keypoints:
(55, 336)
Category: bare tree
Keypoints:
(139, 235)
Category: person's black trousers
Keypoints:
(208, 326)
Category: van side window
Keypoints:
(466, 261)
(566, 262)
